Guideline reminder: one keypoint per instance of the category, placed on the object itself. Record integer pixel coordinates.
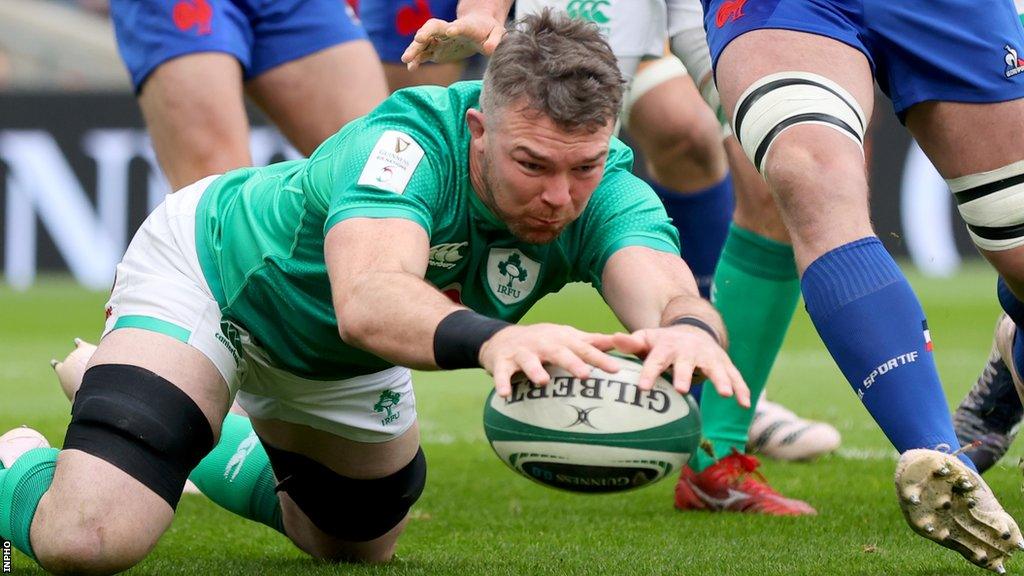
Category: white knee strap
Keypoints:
(992, 205)
(653, 74)
(786, 99)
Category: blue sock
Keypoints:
(703, 219)
(1014, 308)
(871, 322)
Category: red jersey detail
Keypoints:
(411, 17)
(454, 295)
(108, 312)
(190, 13)
(729, 10)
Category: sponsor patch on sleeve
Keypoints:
(392, 162)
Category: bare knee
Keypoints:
(814, 178)
(91, 548)
(684, 152)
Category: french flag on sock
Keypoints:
(927, 336)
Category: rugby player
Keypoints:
(756, 286)
(304, 62)
(992, 410)
(413, 237)
(797, 80)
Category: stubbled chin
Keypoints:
(536, 236)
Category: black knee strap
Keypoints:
(140, 423)
(347, 508)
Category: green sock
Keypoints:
(237, 475)
(756, 290)
(21, 488)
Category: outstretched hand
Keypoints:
(690, 353)
(441, 41)
(528, 348)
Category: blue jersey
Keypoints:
(260, 34)
(949, 50)
(391, 24)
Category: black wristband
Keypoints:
(459, 337)
(697, 323)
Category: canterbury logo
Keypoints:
(446, 255)
(589, 10)
(729, 10)
(238, 459)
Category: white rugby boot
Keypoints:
(778, 433)
(16, 442)
(947, 502)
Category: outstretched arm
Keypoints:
(384, 306)
(382, 303)
(655, 296)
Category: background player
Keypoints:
(304, 62)
(531, 176)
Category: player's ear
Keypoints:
(475, 120)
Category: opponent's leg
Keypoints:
(985, 177)
(859, 300)
(133, 438)
(682, 141)
(312, 97)
(195, 114)
(799, 110)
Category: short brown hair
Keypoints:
(562, 67)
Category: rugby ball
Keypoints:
(594, 435)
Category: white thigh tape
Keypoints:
(786, 99)
(992, 205)
(649, 76)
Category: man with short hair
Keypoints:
(412, 238)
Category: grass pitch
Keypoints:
(478, 517)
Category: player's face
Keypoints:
(535, 176)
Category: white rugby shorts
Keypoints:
(160, 287)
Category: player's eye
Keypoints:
(530, 166)
(586, 168)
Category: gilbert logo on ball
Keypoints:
(599, 434)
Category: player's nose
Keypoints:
(557, 191)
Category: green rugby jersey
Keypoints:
(260, 231)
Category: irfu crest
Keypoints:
(388, 400)
(511, 275)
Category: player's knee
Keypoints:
(350, 509)
(795, 164)
(688, 143)
(210, 152)
(86, 547)
(142, 424)
(992, 205)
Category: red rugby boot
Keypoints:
(733, 484)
